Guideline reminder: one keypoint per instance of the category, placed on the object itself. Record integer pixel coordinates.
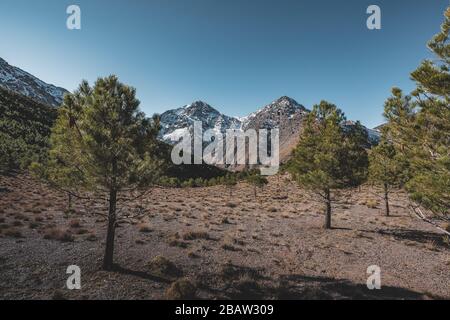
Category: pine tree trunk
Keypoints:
(109, 251)
(328, 210)
(69, 204)
(386, 199)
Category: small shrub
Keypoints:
(447, 226)
(17, 223)
(33, 225)
(163, 267)
(178, 243)
(91, 237)
(193, 235)
(81, 231)
(181, 289)
(372, 204)
(58, 234)
(15, 233)
(193, 255)
(231, 205)
(75, 223)
(145, 228)
(229, 247)
(225, 220)
(58, 295)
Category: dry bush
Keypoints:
(91, 237)
(164, 268)
(33, 225)
(231, 205)
(229, 247)
(17, 223)
(145, 228)
(20, 216)
(181, 289)
(193, 255)
(174, 242)
(371, 203)
(75, 223)
(81, 231)
(225, 220)
(193, 235)
(447, 226)
(62, 235)
(15, 233)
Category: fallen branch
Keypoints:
(419, 214)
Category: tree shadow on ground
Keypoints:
(4, 190)
(298, 287)
(421, 237)
(140, 274)
(294, 287)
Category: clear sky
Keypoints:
(237, 55)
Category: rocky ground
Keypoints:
(226, 246)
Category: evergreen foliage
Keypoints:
(25, 127)
(328, 157)
(102, 143)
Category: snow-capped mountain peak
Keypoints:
(17, 80)
(174, 123)
(274, 114)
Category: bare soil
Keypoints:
(228, 247)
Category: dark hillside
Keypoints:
(25, 127)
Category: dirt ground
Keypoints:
(228, 247)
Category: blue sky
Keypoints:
(237, 55)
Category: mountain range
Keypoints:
(17, 80)
(284, 113)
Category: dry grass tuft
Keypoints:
(164, 268)
(372, 204)
(231, 205)
(145, 228)
(181, 289)
(193, 235)
(14, 233)
(62, 235)
(91, 237)
(75, 223)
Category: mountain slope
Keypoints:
(285, 113)
(25, 127)
(177, 121)
(22, 82)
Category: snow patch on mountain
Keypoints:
(17, 80)
(175, 123)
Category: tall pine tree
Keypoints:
(385, 169)
(329, 155)
(419, 129)
(430, 154)
(102, 143)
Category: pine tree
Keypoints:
(419, 128)
(256, 180)
(430, 154)
(102, 143)
(230, 182)
(385, 169)
(328, 156)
